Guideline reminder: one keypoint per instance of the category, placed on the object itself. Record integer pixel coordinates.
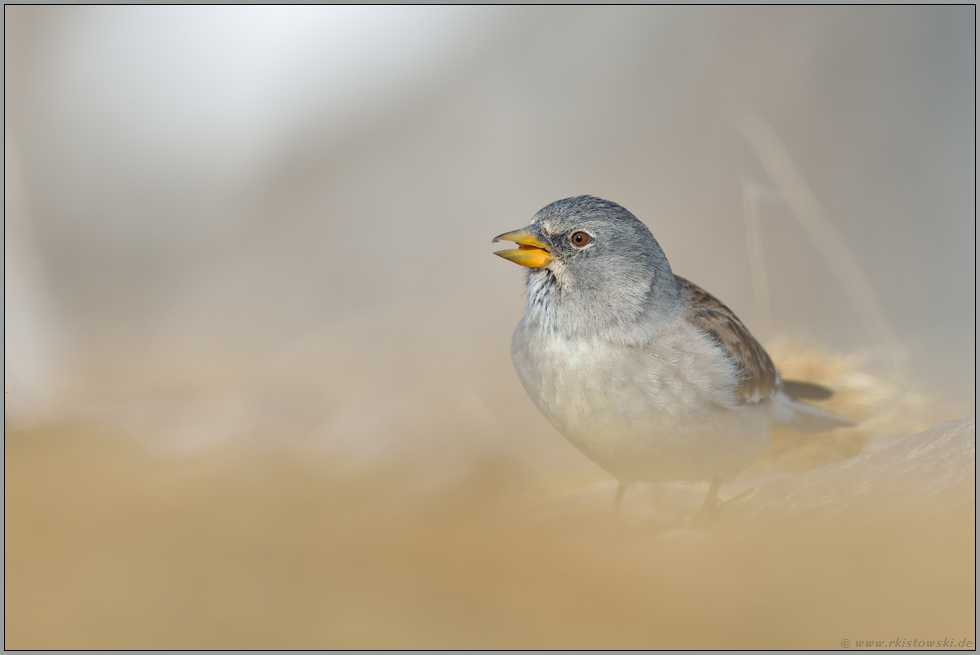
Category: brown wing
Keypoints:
(760, 379)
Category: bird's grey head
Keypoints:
(594, 269)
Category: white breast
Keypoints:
(665, 411)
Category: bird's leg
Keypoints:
(706, 513)
(620, 490)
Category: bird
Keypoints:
(646, 373)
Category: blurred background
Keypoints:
(255, 340)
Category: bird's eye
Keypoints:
(581, 238)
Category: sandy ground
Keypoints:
(108, 545)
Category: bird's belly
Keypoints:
(643, 417)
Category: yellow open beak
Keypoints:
(530, 250)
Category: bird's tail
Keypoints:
(807, 418)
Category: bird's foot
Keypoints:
(620, 490)
(704, 517)
(708, 512)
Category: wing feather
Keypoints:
(759, 378)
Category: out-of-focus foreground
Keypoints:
(256, 346)
(109, 548)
